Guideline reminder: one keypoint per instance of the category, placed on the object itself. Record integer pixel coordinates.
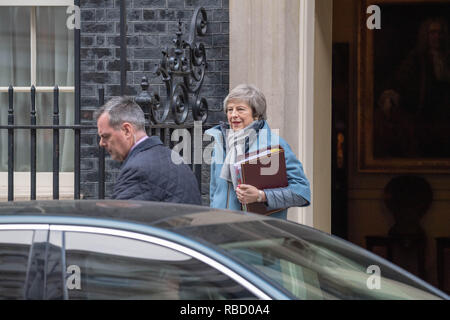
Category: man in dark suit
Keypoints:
(149, 171)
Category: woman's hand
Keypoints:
(248, 194)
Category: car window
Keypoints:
(14, 255)
(309, 264)
(100, 266)
(45, 259)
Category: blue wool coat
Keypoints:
(149, 173)
(296, 194)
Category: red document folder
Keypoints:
(264, 169)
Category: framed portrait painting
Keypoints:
(404, 87)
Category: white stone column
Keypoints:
(273, 45)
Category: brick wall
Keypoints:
(151, 26)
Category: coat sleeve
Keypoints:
(212, 179)
(215, 159)
(297, 193)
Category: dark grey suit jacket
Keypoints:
(148, 173)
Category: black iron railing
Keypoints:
(182, 69)
(163, 131)
(33, 127)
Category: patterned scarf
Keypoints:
(235, 147)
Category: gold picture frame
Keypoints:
(392, 131)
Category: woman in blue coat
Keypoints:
(247, 131)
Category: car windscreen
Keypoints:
(310, 264)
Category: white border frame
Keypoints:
(44, 179)
(33, 45)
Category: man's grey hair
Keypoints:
(120, 110)
(252, 96)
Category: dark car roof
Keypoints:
(164, 215)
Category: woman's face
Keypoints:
(239, 115)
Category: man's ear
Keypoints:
(127, 129)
